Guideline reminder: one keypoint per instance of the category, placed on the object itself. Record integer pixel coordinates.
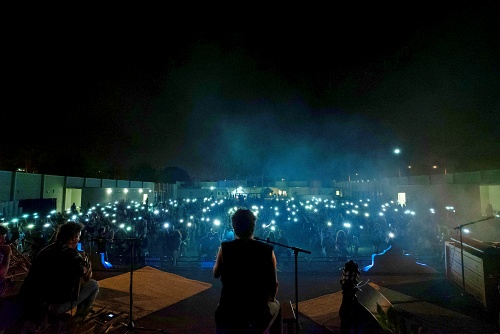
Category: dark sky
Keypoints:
(305, 92)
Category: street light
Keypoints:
(397, 151)
(436, 167)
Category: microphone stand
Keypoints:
(459, 227)
(296, 251)
(130, 325)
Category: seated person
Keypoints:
(247, 269)
(59, 278)
(5, 253)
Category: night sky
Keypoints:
(305, 92)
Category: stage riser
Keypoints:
(481, 271)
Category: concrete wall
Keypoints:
(469, 193)
(27, 186)
(91, 196)
(490, 195)
(9, 209)
(15, 186)
(53, 187)
(72, 196)
(5, 186)
(191, 193)
(465, 198)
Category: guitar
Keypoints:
(85, 278)
(88, 265)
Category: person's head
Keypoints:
(69, 233)
(3, 234)
(243, 222)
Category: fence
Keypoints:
(285, 264)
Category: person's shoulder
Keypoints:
(235, 243)
(55, 246)
(69, 250)
(228, 242)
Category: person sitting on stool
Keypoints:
(60, 277)
(247, 269)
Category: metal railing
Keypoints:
(285, 264)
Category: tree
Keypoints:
(174, 174)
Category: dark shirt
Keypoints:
(248, 277)
(54, 275)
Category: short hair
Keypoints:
(243, 221)
(67, 231)
(3, 230)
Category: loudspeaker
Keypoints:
(99, 262)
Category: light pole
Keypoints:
(436, 167)
(397, 151)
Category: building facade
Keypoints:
(468, 193)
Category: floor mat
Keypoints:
(152, 290)
(323, 310)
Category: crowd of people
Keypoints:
(176, 228)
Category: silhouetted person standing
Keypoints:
(247, 269)
(73, 209)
